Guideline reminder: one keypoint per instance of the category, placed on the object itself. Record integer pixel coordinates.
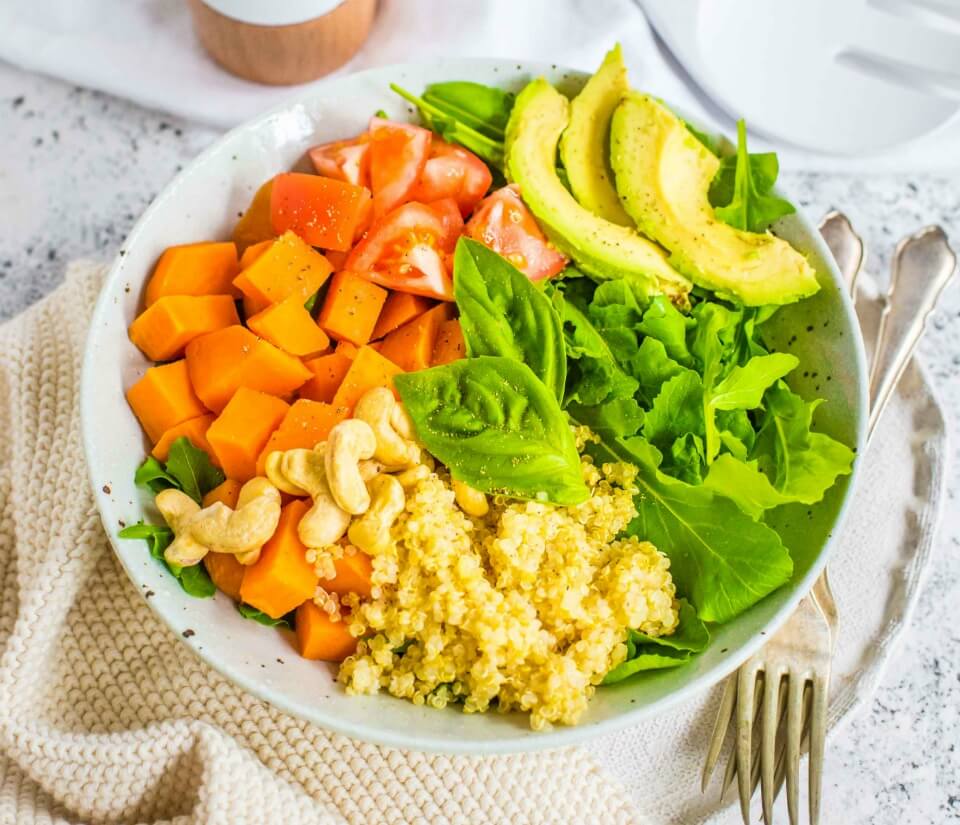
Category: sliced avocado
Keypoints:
(585, 144)
(600, 248)
(663, 174)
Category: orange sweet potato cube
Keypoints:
(321, 638)
(242, 429)
(226, 573)
(223, 361)
(351, 308)
(164, 328)
(287, 267)
(282, 578)
(195, 429)
(305, 425)
(194, 269)
(450, 345)
(399, 308)
(411, 346)
(328, 372)
(353, 575)
(164, 398)
(368, 370)
(255, 224)
(289, 326)
(227, 492)
(251, 253)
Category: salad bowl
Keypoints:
(202, 202)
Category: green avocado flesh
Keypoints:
(663, 174)
(584, 144)
(601, 248)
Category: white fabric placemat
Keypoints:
(145, 50)
(105, 717)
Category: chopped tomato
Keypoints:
(449, 213)
(405, 250)
(503, 223)
(347, 160)
(453, 172)
(322, 211)
(398, 153)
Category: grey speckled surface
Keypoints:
(79, 167)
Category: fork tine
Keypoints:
(729, 773)
(746, 712)
(720, 727)
(795, 694)
(818, 727)
(768, 740)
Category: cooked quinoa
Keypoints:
(526, 607)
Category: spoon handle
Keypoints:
(923, 264)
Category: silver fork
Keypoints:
(782, 689)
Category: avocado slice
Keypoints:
(599, 247)
(663, 174)
(584, 146)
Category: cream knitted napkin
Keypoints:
(106, 718)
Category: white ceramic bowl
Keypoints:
(203, 203)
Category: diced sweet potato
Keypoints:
(351, 308)
(287, 267)
(347, 349)
(399, 308)
(255, 225)
(323, 211)
(242, 429)
(289, 326)
(223, 361)
(226, 492)
(411, 346)
(450, 345)
(194, 269)
(251, 253)
(282, 578)
(164, 328)
(368, 370)
(226, 573)
(353, 575)
(306, 424)
(321, 638)
(328, 372)
(194, 429)
(164, 398)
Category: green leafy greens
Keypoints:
(193, 579)
(258, 616)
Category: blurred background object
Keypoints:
(285, 43)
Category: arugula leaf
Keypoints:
(764, 169)
(744, 484)
(192, 469)
(657, 652)
(652, 368)
(618, 417)
(723, 560)
(677, 409)
(503, 313)
(801, 464)
(710, 141)
(258, 616)
(736, 432)
(194, 579)
(497, 427)
(752, 207)
(152, 475)
(665, 323)
(451, 129)
(483, 108)
(686, 459)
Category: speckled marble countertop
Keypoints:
(79, 167)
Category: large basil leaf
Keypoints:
(496, 427)
(502, 313)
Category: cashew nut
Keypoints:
(472, 502)
(246, 529)
(411, 478)
(350, 442)
(371, 532)
(178, 509)
(391, 426)
(303, 470)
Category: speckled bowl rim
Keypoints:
(557, 736)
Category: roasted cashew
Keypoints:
(244, 530)
(391, 427)
(303, 470)
(178, 509)
(472, 502)
(371, 532)
(350, 442)
(278, 478)
(411, 478)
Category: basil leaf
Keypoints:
(483, 108)
(494, 424)
(502, 313)
(152, 475)
(194, 579)
(720, 558)
(752, 207)
(192, 469)
(258, 616)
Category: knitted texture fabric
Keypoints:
(104, 715)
